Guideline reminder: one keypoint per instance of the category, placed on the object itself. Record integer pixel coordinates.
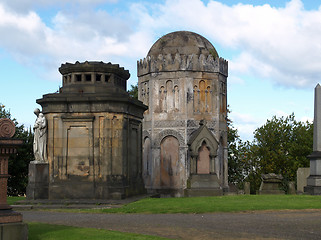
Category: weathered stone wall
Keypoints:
(181, 89)
(94, 134)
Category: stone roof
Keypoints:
(182, 42)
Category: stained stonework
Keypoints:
(183, 82)
(94, 134)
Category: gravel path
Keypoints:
(305, 224)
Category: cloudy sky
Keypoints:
(273, 48)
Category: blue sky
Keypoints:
(273, 48)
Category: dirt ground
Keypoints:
(298, 224)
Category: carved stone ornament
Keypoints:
(7, 128)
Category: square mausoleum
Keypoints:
(94, 134)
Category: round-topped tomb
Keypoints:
(182, 42)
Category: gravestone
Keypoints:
(271, 184)
(314, 180)
(291, 188)
(301, 179)
(247, 188)
(11, 225)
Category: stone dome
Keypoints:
(182, 42)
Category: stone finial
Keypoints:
(7, 128)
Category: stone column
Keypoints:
(314, 180)
(11, 225)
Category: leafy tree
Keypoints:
(282, 145)
(133, 92)
(18, 163)
(241, 164)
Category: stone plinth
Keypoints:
(203, 185)
(38, 181)
(271, 184)
(314, 180)
(11, 225)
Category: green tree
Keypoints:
(18, 163)
(282, 145)
(133, 92)
(241, 164)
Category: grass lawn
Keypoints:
(39, 231)
(235, 203)
(219, 204)
(13, 200)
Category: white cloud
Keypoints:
(246, 124)
(306, 119)
(29, 5)
(279, 44)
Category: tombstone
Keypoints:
(94, 143)
(291, 188)
(314, 180)
(247, 188)
(183, 82)
(301, 179)
(11, 224)
(271, 184)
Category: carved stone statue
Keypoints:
(40, 137)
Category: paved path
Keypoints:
(305, 224)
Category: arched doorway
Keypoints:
(169, 162)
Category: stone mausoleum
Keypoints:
(183, 81)
(94, 134)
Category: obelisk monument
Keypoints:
(314, 180)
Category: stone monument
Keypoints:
(271, 184)
(314, 180)
(38, 181)
(11, 225)
(94, 134)
(183, 82)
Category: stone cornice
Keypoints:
(168, 63)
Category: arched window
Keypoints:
(208, 99)
(196, 99)
(176, 98)
(162, 99)
(169, 95)
(202, 96)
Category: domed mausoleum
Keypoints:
(183, 82)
